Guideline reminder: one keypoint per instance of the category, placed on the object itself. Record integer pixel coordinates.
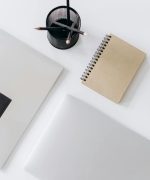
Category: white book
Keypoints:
(26, 76)
(82, 143)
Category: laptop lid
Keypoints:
(85, 144)
(26, 77)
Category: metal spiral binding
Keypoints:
(95, 57)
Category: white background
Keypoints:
(128, 19)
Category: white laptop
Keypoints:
(26, 77)
(82, 143)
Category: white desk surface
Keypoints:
(127, 19)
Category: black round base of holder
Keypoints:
(58, 35)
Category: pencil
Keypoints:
(68, 12)
(70, 33)
(69, 28)
(48, 28)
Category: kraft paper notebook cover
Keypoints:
(112, 67)
(26, 77)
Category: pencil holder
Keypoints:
(61, 37)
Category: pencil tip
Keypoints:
(37, 28)
(67, 41)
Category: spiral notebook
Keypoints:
(112, 67)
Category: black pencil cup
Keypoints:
(57, 36)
